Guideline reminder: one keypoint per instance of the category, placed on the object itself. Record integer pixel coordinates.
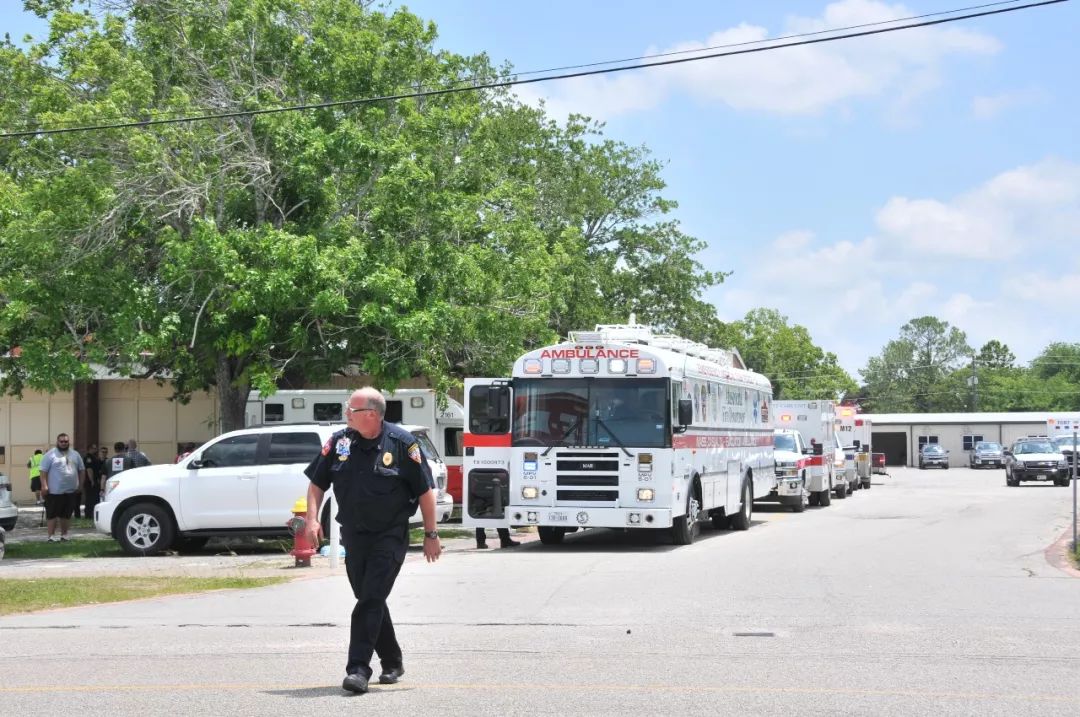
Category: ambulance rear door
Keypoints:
(487, 442)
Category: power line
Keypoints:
(515, 82)
(162, 114)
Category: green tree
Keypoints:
(913, 372)
(787, 355)
(436, 236)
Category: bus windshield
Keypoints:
(625, 412)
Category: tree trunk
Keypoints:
(232, 397)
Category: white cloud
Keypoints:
(987, 107)
(937, 257)
(1035, 205)
(805, 80)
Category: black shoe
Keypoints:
(355, 683)
(391, 676)
(481, 546)
(509, 544)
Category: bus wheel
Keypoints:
(825, 498)
(741, 520)
(815, 498)
(685, 527)
(551, 536)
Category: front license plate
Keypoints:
(1041, 477)
(557, 517)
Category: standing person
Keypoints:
(93, 485)
(34, 464)
(504, 539)
(138, 458)
(119, 462)
(62, 477)
(378, 476)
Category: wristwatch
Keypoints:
(433, 534)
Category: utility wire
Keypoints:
(515, 82)
(511, 75)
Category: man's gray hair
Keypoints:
(372, 398)
(131, 444)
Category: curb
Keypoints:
(1057, 555)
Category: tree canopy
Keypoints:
(436, 236)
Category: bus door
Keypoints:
(486, 464)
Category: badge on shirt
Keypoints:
(414, 452)
(387, 459)
(344, 446)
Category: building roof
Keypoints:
(885, 419)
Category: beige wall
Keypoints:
(126, 409)
(27, 424)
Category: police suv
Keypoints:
(242, 483)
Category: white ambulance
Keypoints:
(855, 431)
(816, 421)
(418, 406)
(618, 428)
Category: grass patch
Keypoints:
(416, 535)
(20, 595)
(74, 548)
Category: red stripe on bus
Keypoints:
(710, 441)
(815, 461)
(477, 440)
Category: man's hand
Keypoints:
(432, 549)
(314, 533)
(44, 489)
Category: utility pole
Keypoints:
(974, 383)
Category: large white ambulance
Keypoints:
(618, 428)
(816, 421)
(1064, 430)
(417, 406)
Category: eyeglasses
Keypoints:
(350, 409)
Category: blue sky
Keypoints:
(851, 185)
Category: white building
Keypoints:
(899, 435)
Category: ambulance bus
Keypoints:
(618, 428)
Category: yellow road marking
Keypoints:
(488, 687)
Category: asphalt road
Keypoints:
(930, 594)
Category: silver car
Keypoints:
(9, 512)
(987, 454)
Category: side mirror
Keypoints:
(857, 444)
(818, 449)
(686, 412)
(195, 464)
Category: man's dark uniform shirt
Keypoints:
(376, 482)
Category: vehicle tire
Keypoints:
(866, 485)
(815, 499)
(190, 545)
(841, 491)
(685, 528)
(145, 529)
(946, 466)
(551, 536)
(921, 466)
(800, 507)
(741, 520)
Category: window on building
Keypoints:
(970, 440)
(923, 440)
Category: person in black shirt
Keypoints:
(378, 475)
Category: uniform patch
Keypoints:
(387, 458)
(326, 447)
(344, 447)
(414, 452)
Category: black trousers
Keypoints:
(481, 537)
(372, 562)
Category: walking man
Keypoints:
(62, 478)
(378, 475)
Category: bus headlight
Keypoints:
(530, 492)
(646, 495)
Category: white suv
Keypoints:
(9, 512)
(241, 483)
